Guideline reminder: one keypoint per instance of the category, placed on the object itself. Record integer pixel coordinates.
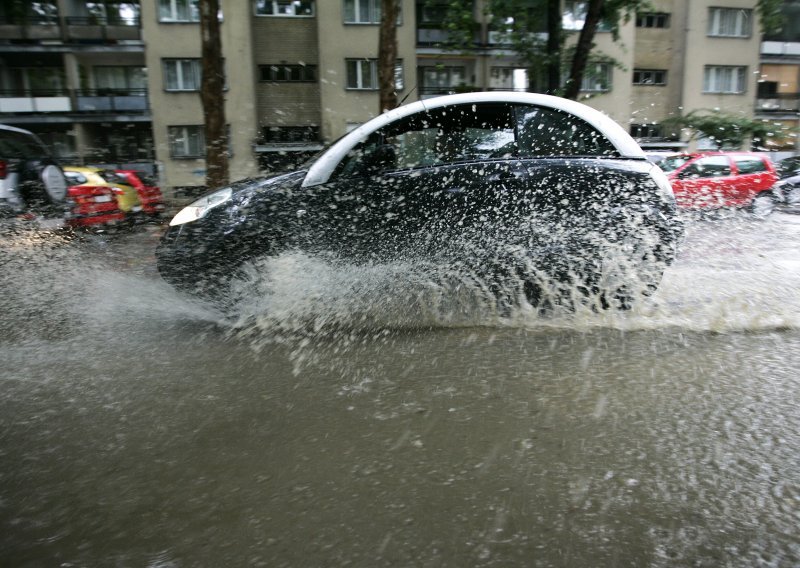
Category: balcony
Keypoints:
(778, 103)
(73, 29)
(106, 100)
(100, 101)
(102, 30)
(24, 102)
(31, 29)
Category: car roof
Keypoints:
(15, 129)
(322, 168)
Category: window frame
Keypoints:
(179, 72)
(607, 70)
(305, 70)
(709, 81)
(655, 74)
(656, 17)
(399, 73)
(173, 8)
(275, 9)
(171, 140)
(744, 26)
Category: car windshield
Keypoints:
(672, 163)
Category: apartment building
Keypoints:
(74, 72)
(119, 80)
(778, 95)
(298, 73)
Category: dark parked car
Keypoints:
(31, 181)
(519, 187)
(788, 187)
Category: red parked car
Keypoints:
(94, 205)
(149, 193)
(722, 179)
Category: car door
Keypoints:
(707, 181)
(419, 185)
(567, 181)
(753, 176)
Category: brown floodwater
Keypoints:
(365, 417)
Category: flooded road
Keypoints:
(359, 418)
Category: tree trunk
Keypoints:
(553, 46)
(212, 96)
(387, 54)
(582, 49)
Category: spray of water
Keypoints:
(731, 275)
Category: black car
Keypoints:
(788, 186)
(523, 189)
(31, 181)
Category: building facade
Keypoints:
(118, 81)
(74, 72)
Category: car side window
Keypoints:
(450, 135)
(710, 166)
(549, 132)
(750, 165)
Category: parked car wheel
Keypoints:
(763, 205)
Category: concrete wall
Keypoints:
(182, 40)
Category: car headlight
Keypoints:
(198, 209)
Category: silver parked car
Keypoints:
(31, 180)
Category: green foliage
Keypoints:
(728, 131)
(772, 16)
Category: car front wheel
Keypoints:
(762, 205)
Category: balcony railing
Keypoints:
(19, 101)
(102, 29)
(106, 100)
(73, 29)
(35, 28)
(81, 101)
(779, 102)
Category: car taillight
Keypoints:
(3, 169)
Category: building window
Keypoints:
(652, 20)
(35, 81)
(290, 134)
(597, 78)
(729, 22)
(508, 79)
(365, 12)
(724, 79)
(178, 11)
(439, 80)
(283, 73)
(182, 74)
(285, 8)
(363, 74)
(186, 141)
(123, 79)
(647, 131)
(649, 77)
(362, 11)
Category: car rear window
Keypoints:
(75, 178)
(20, 145)
(750, 165)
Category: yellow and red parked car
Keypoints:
(127, 196)
(94, 205)
(149, 193)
